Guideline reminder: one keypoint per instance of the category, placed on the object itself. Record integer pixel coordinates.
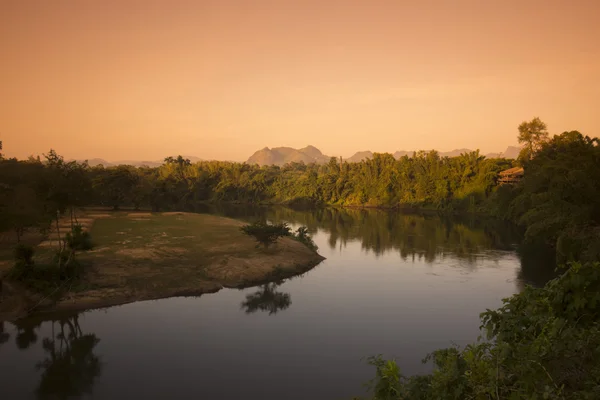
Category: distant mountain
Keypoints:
(511, 152)
(402, 153)
(137, 163)
(93, 162)
(315, 153)
(361, 155)
(454, 153)
(493, 155)
(97, 161)
(284, 155)
(310, 154)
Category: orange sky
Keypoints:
(126, 79)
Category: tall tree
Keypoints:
(532, 134)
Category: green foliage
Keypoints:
(425, 180)
(78, 239)
(532, 134)
(24, 254)
(67, 264)
(266, 234)
(116, 186)
(304, 237)
(544, 343)
(558, 200)
(44, 278)
(387, 382)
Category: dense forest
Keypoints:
(557, 202)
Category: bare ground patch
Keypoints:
(49, 243)
(138, 253)
(139, 214)
(95, 216)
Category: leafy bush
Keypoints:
(24, 254)
(266, 234)
(544, 343)
(45, 278)
(67, 264)
(78, 239)
(304, 237)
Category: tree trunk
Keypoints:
(71, 218)
(60, 247)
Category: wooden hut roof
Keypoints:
(512, 171)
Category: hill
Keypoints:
(361, 155)
(284, 155)
(511, 152)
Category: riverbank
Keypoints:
(145, 256)
(428, 209)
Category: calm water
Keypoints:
(399, 285)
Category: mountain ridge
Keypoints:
(309, 154)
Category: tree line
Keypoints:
(557, 201)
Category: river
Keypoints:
(393, 284)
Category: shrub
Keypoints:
(45, 278)
(304, 237)
(266, 234)
(67, 264)
(78, 239)
(24, 254)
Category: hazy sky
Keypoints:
(125, 79)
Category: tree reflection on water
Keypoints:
(70, 366)
(4, 337)
(266, 299)
(423, 236)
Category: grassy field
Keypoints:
(141, 255)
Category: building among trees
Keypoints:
(511, 175)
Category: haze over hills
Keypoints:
(309, 154)
(136, 163)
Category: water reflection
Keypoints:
(4, 337)
(69, 367)
(538, 266)
(422, 235)
(427, 237)
(26, 333)
(266, 299)
(425, 278)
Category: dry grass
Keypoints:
(172, 254)
(139, 256)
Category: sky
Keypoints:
(145, 79)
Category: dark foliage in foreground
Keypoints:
(544, 343)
